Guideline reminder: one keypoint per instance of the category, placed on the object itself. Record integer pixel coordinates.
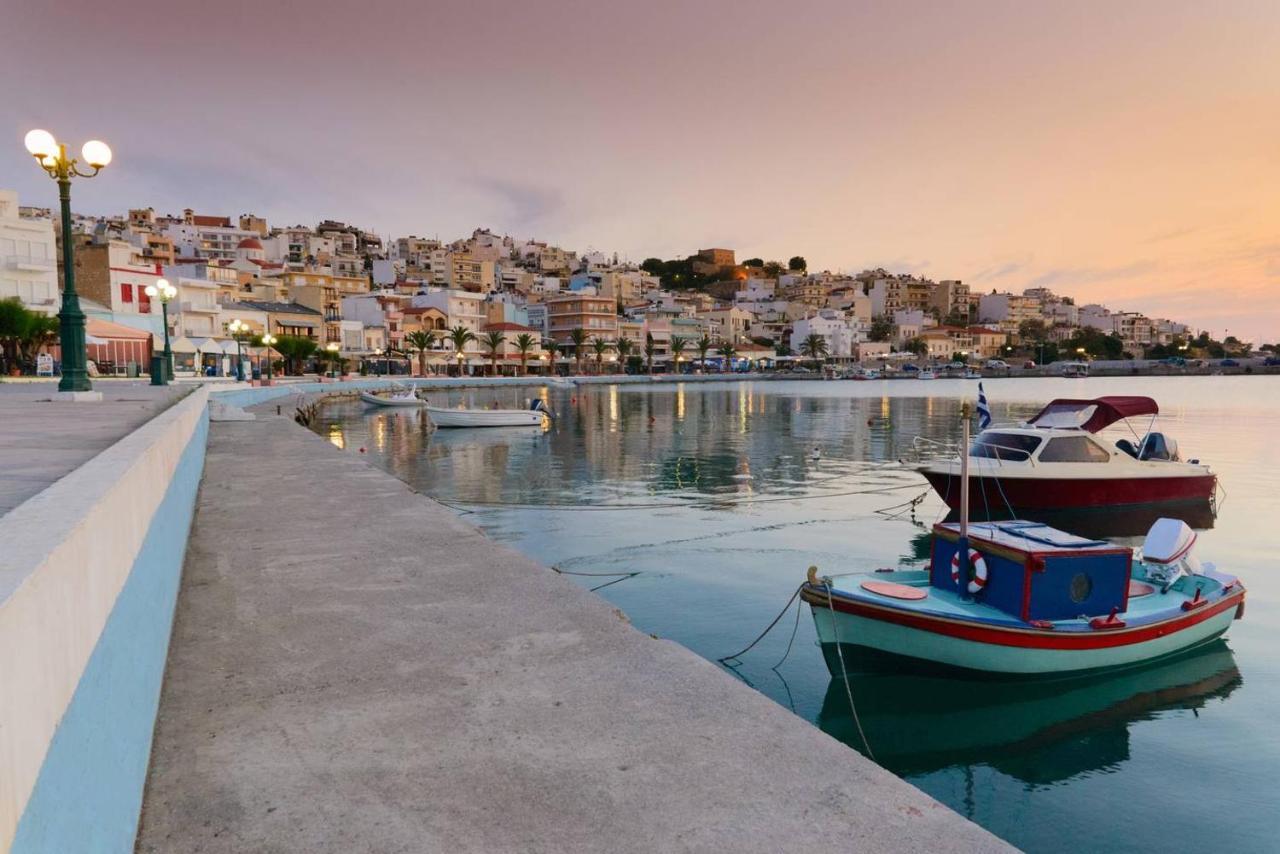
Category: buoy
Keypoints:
(362, 450)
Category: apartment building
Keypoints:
(840, 335)
(950, 298)
(731, 325)
(112, 273)
(595, 315)
(213, 237)
(1008, 311)
(470, 273)
(462, 308)
(28, 257)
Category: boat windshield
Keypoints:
(1004, 446)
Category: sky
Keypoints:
(1125, 153)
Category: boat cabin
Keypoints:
(1033, 571)
(1064, 432)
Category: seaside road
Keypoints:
(356, 669)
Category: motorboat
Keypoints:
(865, 374)
(926, 374)
(972, 374)
(1022, 598)
(1057, 460)
(536, 415)
(405, 397)
(1031, 599)
(1075, 370)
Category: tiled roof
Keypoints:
(506, 327)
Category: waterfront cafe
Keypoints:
(117, 350)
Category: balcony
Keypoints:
(30, 263)
(200, 307)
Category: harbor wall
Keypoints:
(89, 573)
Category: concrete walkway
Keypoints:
(355, 669)
(42, 440)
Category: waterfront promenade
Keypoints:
(355, 668)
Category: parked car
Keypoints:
(910, 368)
(1228, 363)
(1176, 361)
(1272, 361)
(997, 364)
(1029, 363)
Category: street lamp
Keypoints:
(377, 361)
(459, 357)
(164, 292)
(332, 349)
(238, 328)
(52, 157)
(267, 340)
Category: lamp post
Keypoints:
(332, 349)
(238, 328)
(52, 157)
(377, 361)
(164, 292)
(267, 341)
(459, 357)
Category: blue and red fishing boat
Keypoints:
(1019, 597)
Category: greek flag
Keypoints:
(984, 411)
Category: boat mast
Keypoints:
(963, 544)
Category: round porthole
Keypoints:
(1081, 587)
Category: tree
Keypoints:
(918, 346)
(729, 352)
(624, 348)
(753, 262)
(881, 329)
(524, 343)
(600, 346)
(421, 340)
(702, 345)
(1032, 330)
(460, 336)
(23, 333)
(295, 350)
(797, 262)
(650, 349)
(551, 347)
(1095, 343)
(493, 341)
(772, 270)
(677, 350)
(579, 339)
(814, 347)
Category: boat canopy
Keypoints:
(1092, 415)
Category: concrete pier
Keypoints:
(354, 668)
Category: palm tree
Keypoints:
(814, 346)
(421, 340)
(461, 336)
(702, 345)
(624, 348)
(728, 351)
(492, 341)
(579, 339)
(677, 349)
(524, 343)
(601, 347)
(551, 347)
(650, 348)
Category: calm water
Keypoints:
(697, 508)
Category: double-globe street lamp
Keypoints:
(162, 369)
(52, 156)
(268, 341)
(238, 329)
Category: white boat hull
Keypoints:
(485, 417)
(378, 400)
(855, 630)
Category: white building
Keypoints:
(28, 257)
(840, 334)
(207, 236)
(1008, 311)
(462, 308)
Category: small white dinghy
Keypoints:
(404, 397)
(531, 417)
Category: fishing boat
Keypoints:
(1020, 598)
(535, 415)
(1057, 461)
(406, 397)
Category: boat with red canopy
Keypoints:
(1059, 460)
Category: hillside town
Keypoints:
(344, 296)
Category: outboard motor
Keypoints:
(1157, 446)
(537, 405)
(1167, 552)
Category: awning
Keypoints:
(229, 347)
(207, 345)
(1093, 415)
(182, 345)
(105, 329)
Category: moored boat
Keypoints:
(408, 397)
(1056, 461)
(926, 374)
(535, 415)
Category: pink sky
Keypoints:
(1126, 153)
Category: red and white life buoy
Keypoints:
(979, 566)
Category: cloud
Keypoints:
(1085, 275)
(999, 271)
(525, 207)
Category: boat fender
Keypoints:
(1240, 610)
(1108, 622)
(1197, 602)
(885, 569)
(1041, 624)
(979, 566)
(812, 576)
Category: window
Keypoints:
(1004, 446)
(126, 293)
(1074, 449)
(144, 302)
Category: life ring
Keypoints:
(979, 581)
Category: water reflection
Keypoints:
(1127, 525)
(1040, 732)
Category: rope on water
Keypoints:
(594, 574)
(844, 673)
(768, 629)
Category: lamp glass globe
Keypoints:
(41, 143)
(151, 290)
(96, 153)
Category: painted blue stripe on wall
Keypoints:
(88, 795)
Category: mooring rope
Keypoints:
(768, 629)
(844, 673)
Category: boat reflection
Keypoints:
(1041, 732)
(1106, 523)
